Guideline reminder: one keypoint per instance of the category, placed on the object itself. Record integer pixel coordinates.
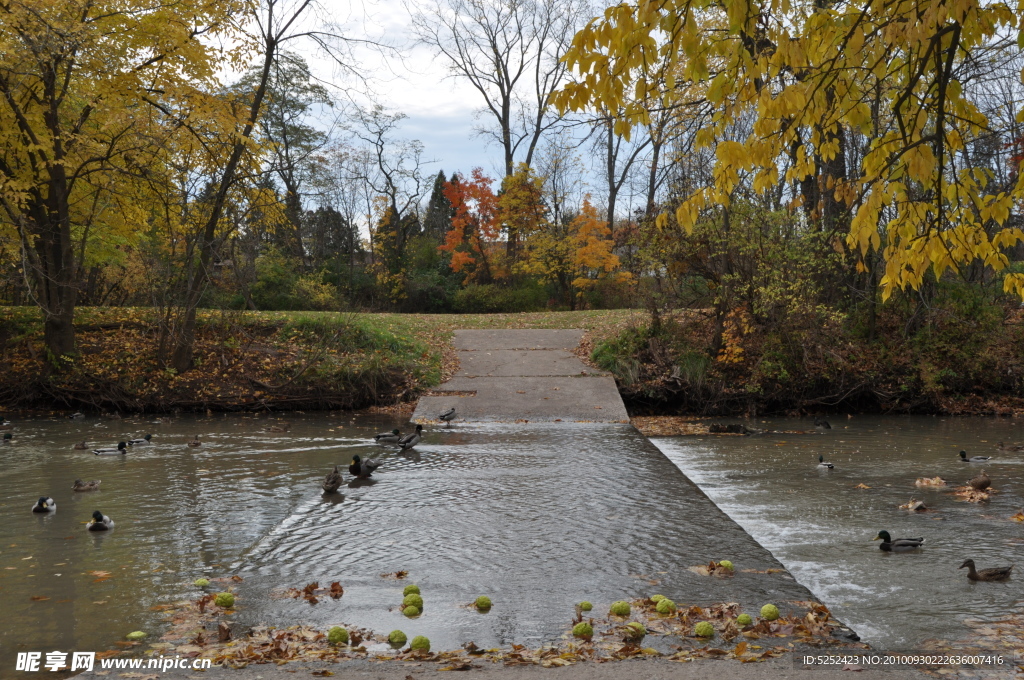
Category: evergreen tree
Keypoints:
(437, 221)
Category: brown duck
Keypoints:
(332, 481)
(981, 482)
(993, 574)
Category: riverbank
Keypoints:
(253, 361)
(278, 361)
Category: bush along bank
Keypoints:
(243, 362)
(953, 358)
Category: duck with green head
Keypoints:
(973, 459)
(99, 522)
(823, 464)
(362, 469)
(899, 544)
(44, 504)
(392, 437)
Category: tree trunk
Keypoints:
(181, 357)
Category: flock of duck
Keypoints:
(979, 483)
(358, 468)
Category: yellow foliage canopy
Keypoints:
(804, 71)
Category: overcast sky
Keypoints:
(408, 79)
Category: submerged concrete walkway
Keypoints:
(524, 375)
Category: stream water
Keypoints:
(820, 525)
(535, 517)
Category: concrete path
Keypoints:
(524, 375)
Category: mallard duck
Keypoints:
(412, 439)
(79, 485)
(822, 424)
(8, 437)
(122, 447)
(6, 425)
(991, 574)
(448, 416)
(973, 459)
(362, 469)
(81, 446)
(981, 482)
(194, 442)
(823, 464)
(333, 480)
(279, 428)
(44, 504)
(899, 545)
(77, 415)
(141, 442)
(392, 437)
(1010, 448)
(99, 522)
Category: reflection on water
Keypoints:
(820, 526)
(536, 517)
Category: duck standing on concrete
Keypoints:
(362, 469)
(412, 439)
(991, 574)
(448, 416)
(333, 481)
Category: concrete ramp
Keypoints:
(524, 375)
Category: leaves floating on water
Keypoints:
(713, 568)
(972, 495)
(930, 482)
(1019, 517)
(914, 505)
(862, 486)
(310, 592)
(38, 598)
(100, 576)
(395, 574)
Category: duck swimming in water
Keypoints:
(412, 439)
(973, 459)
(194, 442)
(79, 485)
(99, 522)
(44, 504)
(122, 447)
(362, 469)
(1010, 448)
(823, 464)
(392, 437)
(822, 424)
(899, 545)
(991, 574)
(81, 446)
(141, 442)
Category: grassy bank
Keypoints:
(950, 364)
(955, 362)
(253, 360)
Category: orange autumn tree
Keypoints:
(475, 227)
(574, 257)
